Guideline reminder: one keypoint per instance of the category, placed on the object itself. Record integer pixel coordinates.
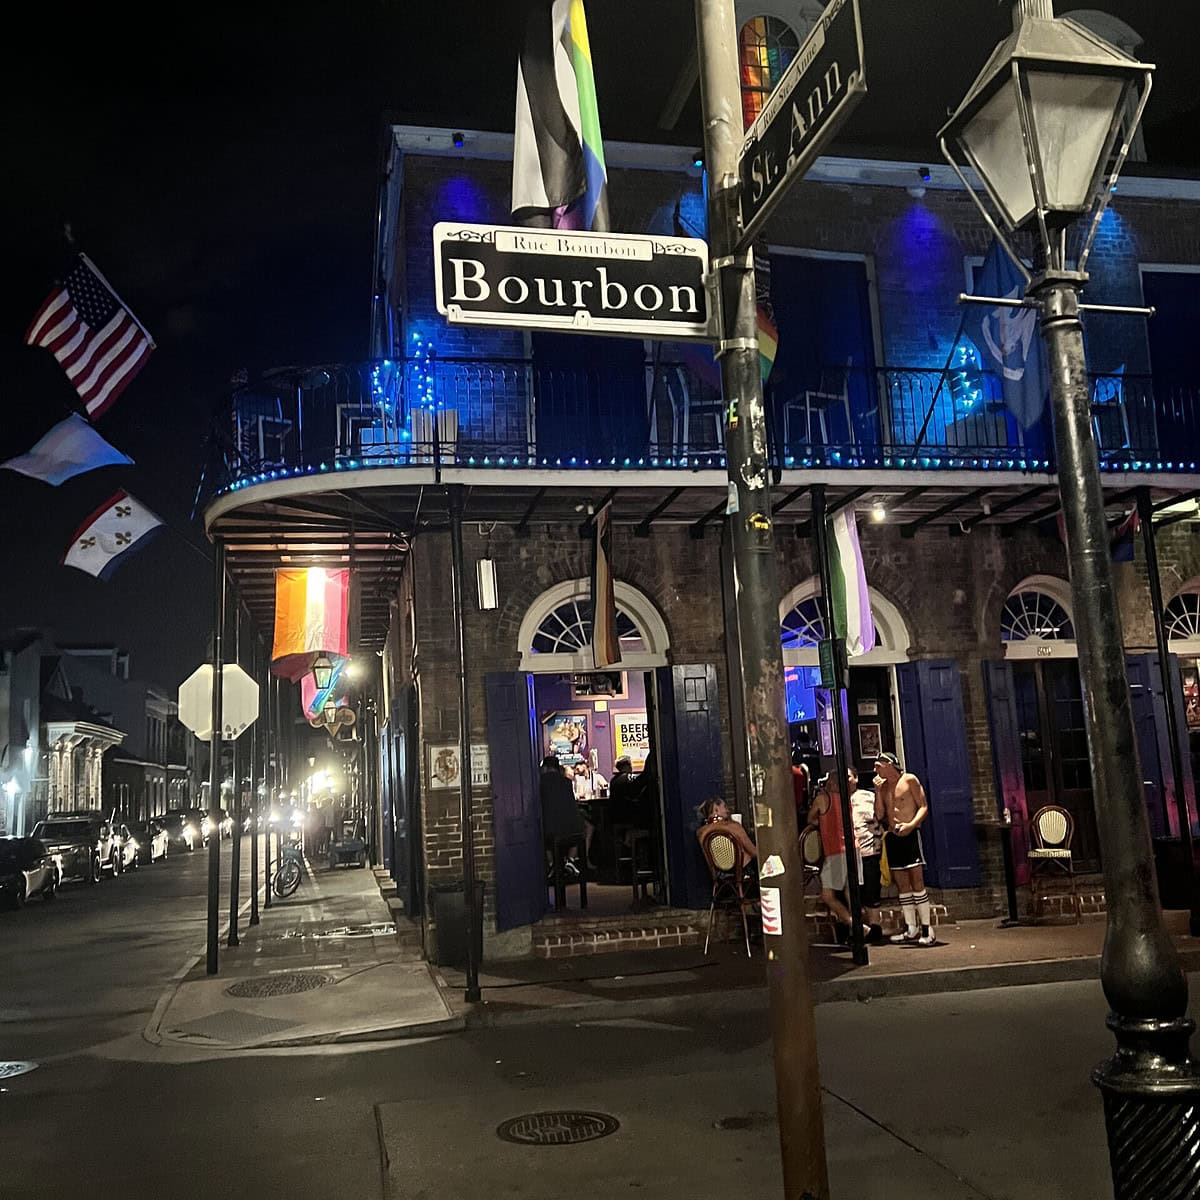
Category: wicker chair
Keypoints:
(727, 864)
(812, 855)
(1053, 830)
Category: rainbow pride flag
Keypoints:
(311, 617)
(559, 175)
(768, 342)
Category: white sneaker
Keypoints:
(907, 936)
(928, 938)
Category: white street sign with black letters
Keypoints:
(621, 284)
(813, 97)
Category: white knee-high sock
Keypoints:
(908, 909)
(924, 912)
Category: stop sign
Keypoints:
(239, 702)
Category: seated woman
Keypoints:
(714, 814)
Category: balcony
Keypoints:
(514, 414)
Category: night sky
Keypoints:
(221, 171)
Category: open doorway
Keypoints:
(666, 716)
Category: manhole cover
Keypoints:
(557, 1128)
(10, 1069)
(277, 985)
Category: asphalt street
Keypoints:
(952, 1097)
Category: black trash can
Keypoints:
(450, 917)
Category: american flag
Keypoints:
(98, 342)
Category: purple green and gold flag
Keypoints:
(559, 174)
(851, 606)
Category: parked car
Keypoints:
(150, 840)
(27, 868)
(84, 843)
(223, 823)
(127, 848)
(181, 830)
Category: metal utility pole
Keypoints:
(235, 858)
(1145, 510)
(272, 788)
(255, 798)
(214, 761)
(756, 586)
(858, 945)
(466, 815)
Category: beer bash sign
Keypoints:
(608, 283)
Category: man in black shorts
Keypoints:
(901, 804)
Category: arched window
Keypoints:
(1182, 617)
(766, 45)
(802, 625)
(556, 631)
(567, 629)
(1035, 615)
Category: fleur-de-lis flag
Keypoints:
(110, 534)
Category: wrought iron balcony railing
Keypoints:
(667, 414)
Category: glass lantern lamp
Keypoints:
(1046, 126)
(322, 671)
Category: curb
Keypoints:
(151, 1031)
(863, 989)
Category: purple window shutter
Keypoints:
(690, 727)
(516, 811)
(932, 715)
(1006, 759)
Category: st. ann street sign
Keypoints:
(812, 98)
(637, 285)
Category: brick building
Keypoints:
(875, 397)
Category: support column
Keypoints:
(466, 813)
(214, 762)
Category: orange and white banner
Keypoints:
(311, 617)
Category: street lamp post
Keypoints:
(1046, 127)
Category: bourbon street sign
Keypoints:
(610, 283)
(814, 96)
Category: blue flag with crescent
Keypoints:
(1007, 338)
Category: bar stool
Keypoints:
(558, 848)
(633, 848)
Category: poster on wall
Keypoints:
(566, 734)
(631, 738)
(1191, 695)
(870, 742)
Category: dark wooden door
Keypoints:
(1070, 765)
(516, 814)
(935, 746)
(689, 724)
(1007, 760)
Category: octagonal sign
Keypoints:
(239, 702)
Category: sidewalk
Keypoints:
(322, 966)
(970, 955)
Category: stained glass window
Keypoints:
(766, 45)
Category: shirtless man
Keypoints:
(901, 805)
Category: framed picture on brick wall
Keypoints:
(445, 767)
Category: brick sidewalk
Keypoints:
(970, 955)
